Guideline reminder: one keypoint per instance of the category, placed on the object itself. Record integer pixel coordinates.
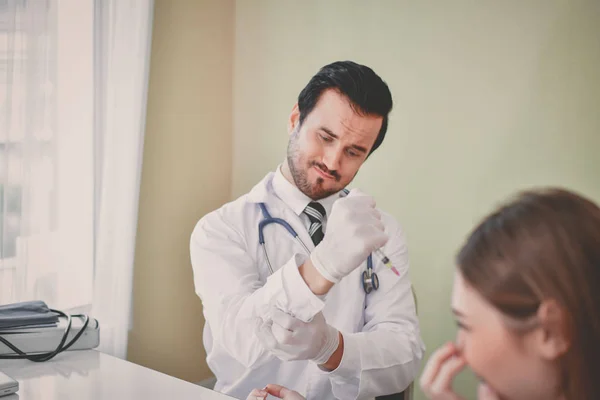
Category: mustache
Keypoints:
(323, 168)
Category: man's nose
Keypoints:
(333, 159)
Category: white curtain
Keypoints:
(46, 227)
(123, 32)
(73, 79)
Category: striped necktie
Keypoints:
(316, 213)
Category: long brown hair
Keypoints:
(544, 244)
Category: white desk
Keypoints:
(89, 374)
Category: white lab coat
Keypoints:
(383, 348)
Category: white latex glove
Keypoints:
(354, 230)
(275, 390)
(289, 338)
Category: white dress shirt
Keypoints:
(297, 201)
(383, 348)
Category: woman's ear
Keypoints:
(553, 338)
(294, 119)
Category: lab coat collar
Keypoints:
(260, 192)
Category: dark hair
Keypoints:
(545, 244)
(367, 92)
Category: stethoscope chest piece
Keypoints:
(370, 280)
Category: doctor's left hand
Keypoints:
(289, 338)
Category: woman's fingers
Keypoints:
(275, 390)
(442, 383)
(257, 394)
(435, 362)
(282, 392)
(440, 371)
(484, 392)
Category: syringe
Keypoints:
(384, 259)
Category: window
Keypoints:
(46, 151)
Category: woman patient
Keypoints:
(526, 298)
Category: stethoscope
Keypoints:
(370, 280)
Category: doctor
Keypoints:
(294, 311)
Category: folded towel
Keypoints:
(27, 313)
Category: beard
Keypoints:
(299, 171)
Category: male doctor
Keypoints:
(302, 319)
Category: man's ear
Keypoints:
(294, 119)
(553, 337)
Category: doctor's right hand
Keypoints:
(354, 230)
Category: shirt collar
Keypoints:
(294, 198)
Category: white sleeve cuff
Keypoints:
(287, 290)
(350, 364)
(345, 379)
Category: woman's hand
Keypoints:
(257, 394)
(484, 392)
(441, 369)
(443, 365)
(278, 391)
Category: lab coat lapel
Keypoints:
(293, 219)
(263, 193)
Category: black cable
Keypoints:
(41, 357)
